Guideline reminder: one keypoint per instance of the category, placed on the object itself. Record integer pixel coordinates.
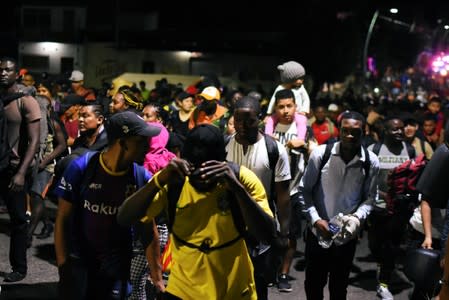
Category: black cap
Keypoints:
(409, 118)
(204, 142)
(183, 95)
(71, 100)
(126, 124)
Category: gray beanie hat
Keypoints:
(291, 71)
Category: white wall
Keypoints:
(54, 51)
(103, 62)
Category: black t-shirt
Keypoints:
(433, 183)
(179, 127)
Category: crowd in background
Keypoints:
(388, 115)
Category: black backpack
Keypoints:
(173, 194)
(273, 156)
(5, 148)
(327, 155)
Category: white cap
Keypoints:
(76, 76)
(332, 107)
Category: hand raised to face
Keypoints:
(211, 172)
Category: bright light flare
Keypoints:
(394, 10)
(440, 64)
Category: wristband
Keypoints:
(156, 181)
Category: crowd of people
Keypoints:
(220, 180)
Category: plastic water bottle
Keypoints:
(335, 225)
(326, 243)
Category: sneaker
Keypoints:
(283, 285)
(383, 292)
(14, 276)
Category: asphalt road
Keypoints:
(41, 281)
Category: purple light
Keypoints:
(440, 64)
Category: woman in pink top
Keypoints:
(158, 156)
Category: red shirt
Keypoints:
(324, 131)
(71, 126)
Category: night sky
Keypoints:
(326, 36)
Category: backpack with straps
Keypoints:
(5, 147)
(273, 157)
(327, 155)
(410, 149)
(174, 192)
(402, 195)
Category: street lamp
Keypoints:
(376, 15)
(394, 10)
(367, 40)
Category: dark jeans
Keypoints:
(334, 262)
(262, 273)
(19, 221)
(81, 280)
(385, 234)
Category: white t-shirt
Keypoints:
(285, 132)
(387, 161)
(256, 159)
(301, 98)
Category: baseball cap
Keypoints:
(183, 95)
(204, 142)
(408, 118)
(332, 107)
(76, 76)
(127, 124)
(210, 93)
(23, 72)
(71, 100)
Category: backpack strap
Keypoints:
(423, 147)
(173, 194)
(410, 150)
(11, 97)
(92, 161)
(273, 151)
(326, 156)
(324, 160)
(273, 157)
(205, 247)
(366, 168)
(367, 163)
(376, 148)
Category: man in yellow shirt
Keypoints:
(210, 257)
